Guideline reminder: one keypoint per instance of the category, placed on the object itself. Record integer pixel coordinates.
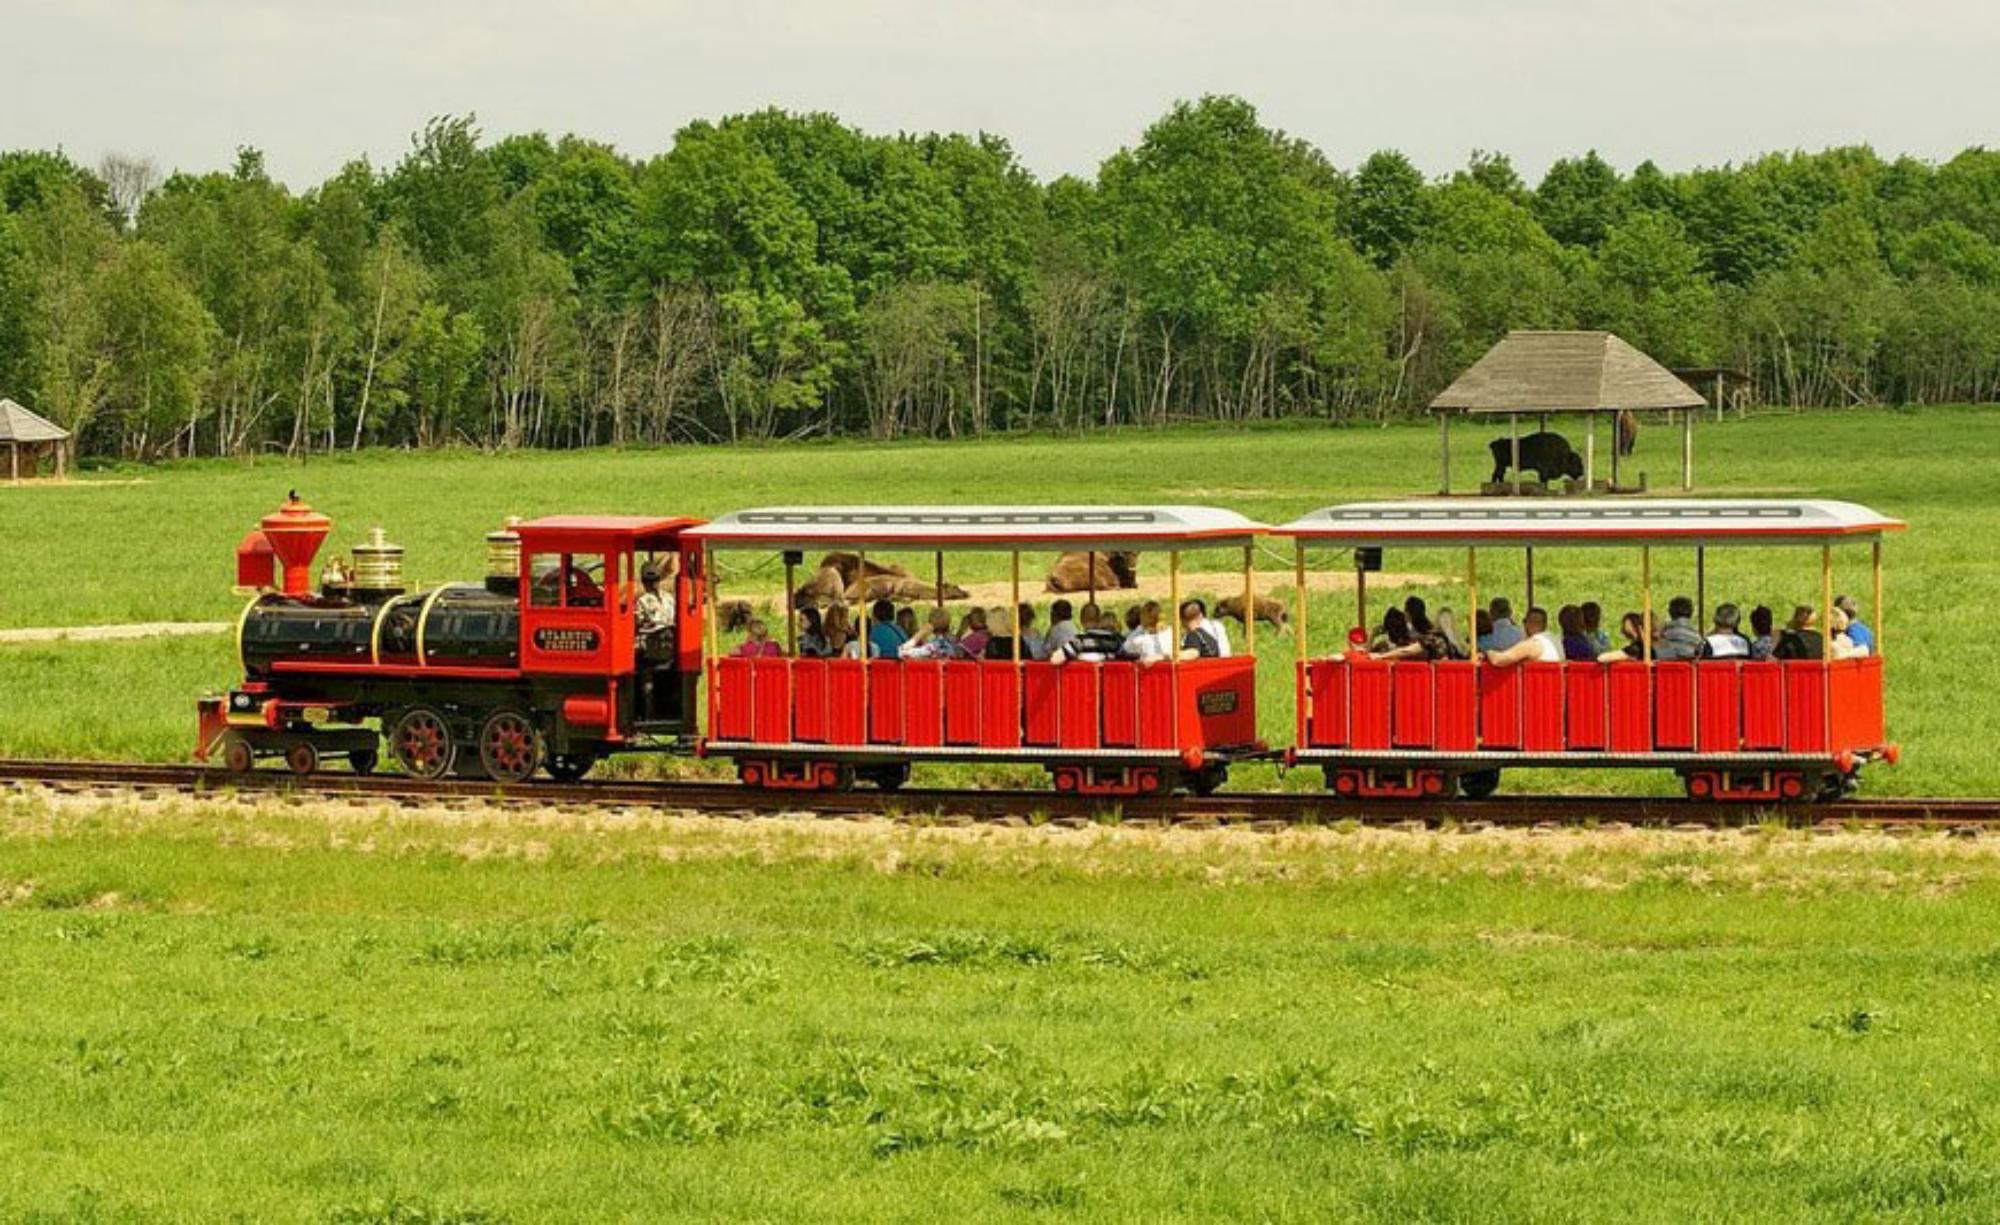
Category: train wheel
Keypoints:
(1206, 780)
(1478, 784)
(302, 758)
(422, 743)
(237, 755)
(364, 761)
(510, 747)
(569, 767)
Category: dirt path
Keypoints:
(113, 633)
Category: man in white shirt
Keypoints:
(1538, 646)
(655, 609)
(1726, 642)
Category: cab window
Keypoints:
(567, 580)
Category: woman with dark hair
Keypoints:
(1417, 615)
(1576, 643)
(1394, 640)
(1631, 627)
(812, 635)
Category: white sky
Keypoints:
(1686, 82)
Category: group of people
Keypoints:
(1578, 635)
(1091, 634)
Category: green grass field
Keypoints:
(156, 544)
(354, 1014)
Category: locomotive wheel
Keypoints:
(302, 758)
(422, 743)
(569, 767)
(364, 761)
(510, 747)
(1205, 780)
(1478, 784)
(237, 755)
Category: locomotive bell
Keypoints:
(378, 565)
(295, 531)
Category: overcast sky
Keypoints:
(1686, 82)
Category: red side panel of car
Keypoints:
(1457, 706)
(1156, 707)
(961, 702)
(1412, 715)
(1718, 701)
(1079, 694)
(1805, 706)
(809, 700)
(1041, 692)
(1500, 708)
(1542, 707)
(732, 698)
(1329, 703)
(1586, 707)
(1762, 685)
(771, 692)
(1631, 708)
(923, 704)
(999, 706)
(844, 715)
(885, 701)
(1121, 705)
(1368, 704)
(1673, 706)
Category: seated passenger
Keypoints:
(1632, 628)
(812, 635)
(1762, 642)
(1447, 629)
(972, 633)
(1482, 631)
(1133, 616)
(1724, 641)
(1062, 631)
(883, 637)
(1593, 626)
(1576, 644)
(1393, 639)
(1032, 646)
(1151, 642)
(1857, 631)
(1196, 642)
(999, 642)
(1100, 639)
(934, 641)
(906, 622)
(1505, 633)
(1537, 645)
(758, 645)
(840, 640)
(1844, 646)
(1214, 629)
(1801, 638)
(1678, 638)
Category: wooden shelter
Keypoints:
(1579, 373)
(28, 438)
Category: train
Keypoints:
(540, 669)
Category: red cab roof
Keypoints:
(578, 533)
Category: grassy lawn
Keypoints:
(156, 544)
(355, 1014)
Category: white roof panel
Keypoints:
(978, 527)
(1588, 521)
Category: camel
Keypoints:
(1114, 571)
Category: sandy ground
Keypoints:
(106, 633)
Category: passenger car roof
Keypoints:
(1002, 528)
(1591, 521)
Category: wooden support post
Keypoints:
(1880, 619)
(1092, 579)
(1687, 450)
(1646, 604)
(1514, 441)
(1590, 454)
(1249, 600)
(938, 559)
(1444, 454)
(13, 461)
(1617, 446)
(1299, 597)
(791, 613)
(1542, 422)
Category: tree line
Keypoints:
(779, 275)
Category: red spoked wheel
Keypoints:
(1433, 782)
(1066, 778)
(237, 755)
(422, 743)
(1791, 786)
(302, 758)
(1700, 786)
(510, 747)
(750, 774)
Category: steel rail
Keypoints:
(1263, 808)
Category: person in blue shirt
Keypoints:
(1859, 634)
(884, 639)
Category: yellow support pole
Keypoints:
(1646, 605)
(1880, 620)
(1472, 625)
(1299, 597)
(791, 613)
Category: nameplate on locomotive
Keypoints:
(1217, 702)
(567, 641)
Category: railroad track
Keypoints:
(1238, 808)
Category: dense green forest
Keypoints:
(775, 275)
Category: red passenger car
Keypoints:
(1115, 727)
(1731, 728)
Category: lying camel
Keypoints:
(823, 588)
(1271, 612)
(1114, 572)
(732, 615)
(902, 590)
(850, 564)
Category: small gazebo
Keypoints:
(28, 438)
(1578, 373)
